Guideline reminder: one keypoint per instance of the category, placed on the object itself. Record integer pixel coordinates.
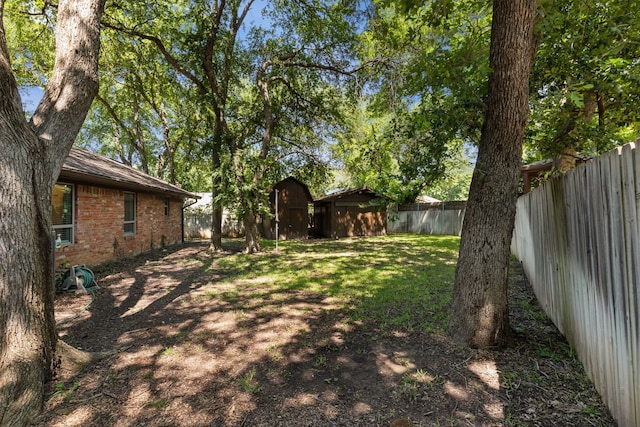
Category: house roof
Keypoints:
(346, 193)
(86, 167)
(203, 203)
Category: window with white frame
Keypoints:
(62, 212)
(166, 206)
(129, 213)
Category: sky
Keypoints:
(30, 96)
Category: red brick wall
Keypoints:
(99, 226)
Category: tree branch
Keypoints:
(207, 60)
(10, 103)
(333, 68)
(74, 80)
(163, 51)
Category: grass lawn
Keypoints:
(400, 281)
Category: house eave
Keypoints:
(83, 167)
(99, 181)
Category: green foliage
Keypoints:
(585, 82)
(146, 115)
(199, 94)
(64, 392)
(248, 382)
(157, 404)
(417, 122)
(29, 28)
(422, 153)
(398, 154)
(228, 118)
(365, 155)
(455, 183)
(196, 113)
(584, 87)
(284, 119)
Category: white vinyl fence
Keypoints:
(427, 218)
(578, 239)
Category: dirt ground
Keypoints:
(176, 356)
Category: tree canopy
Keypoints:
(584, 94)
(583, 88)
(184, 81)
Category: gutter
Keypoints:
(195, 200)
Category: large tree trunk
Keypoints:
(480, 312)
(27, 325)
(251, 234)
(33, 154)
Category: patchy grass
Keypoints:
(403, 281)
(322, 332)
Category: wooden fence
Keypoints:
(578, 239)
(197, 225)
(427, 218)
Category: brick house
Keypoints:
(103, 210)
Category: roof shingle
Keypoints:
(84, 166)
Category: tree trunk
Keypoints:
(480, 311)
(251, 235)
(216, 229)
(216, 209)
(33, 155)
(27, 324)
(565, 160)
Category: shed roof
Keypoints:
(538, 166)
(349, 192)
(86, 167)
(297, 181)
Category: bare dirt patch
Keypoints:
(179, 354)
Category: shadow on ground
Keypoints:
(194, 351)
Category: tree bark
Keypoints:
(33, 154)
(251, 235)
(216, 210)
(27, 326)
(216, 229)
(480, 311)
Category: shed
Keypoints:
(293, 210)
(350, 213)
(103, 210)
(532, 172)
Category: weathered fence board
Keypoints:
(578, 238)
(427, 218)
(197, 225)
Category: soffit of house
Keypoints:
(84, 167)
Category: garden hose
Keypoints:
(92, 291)
(79, 277)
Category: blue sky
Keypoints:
(30, 95)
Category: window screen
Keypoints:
(62, 212)
(129, 213)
